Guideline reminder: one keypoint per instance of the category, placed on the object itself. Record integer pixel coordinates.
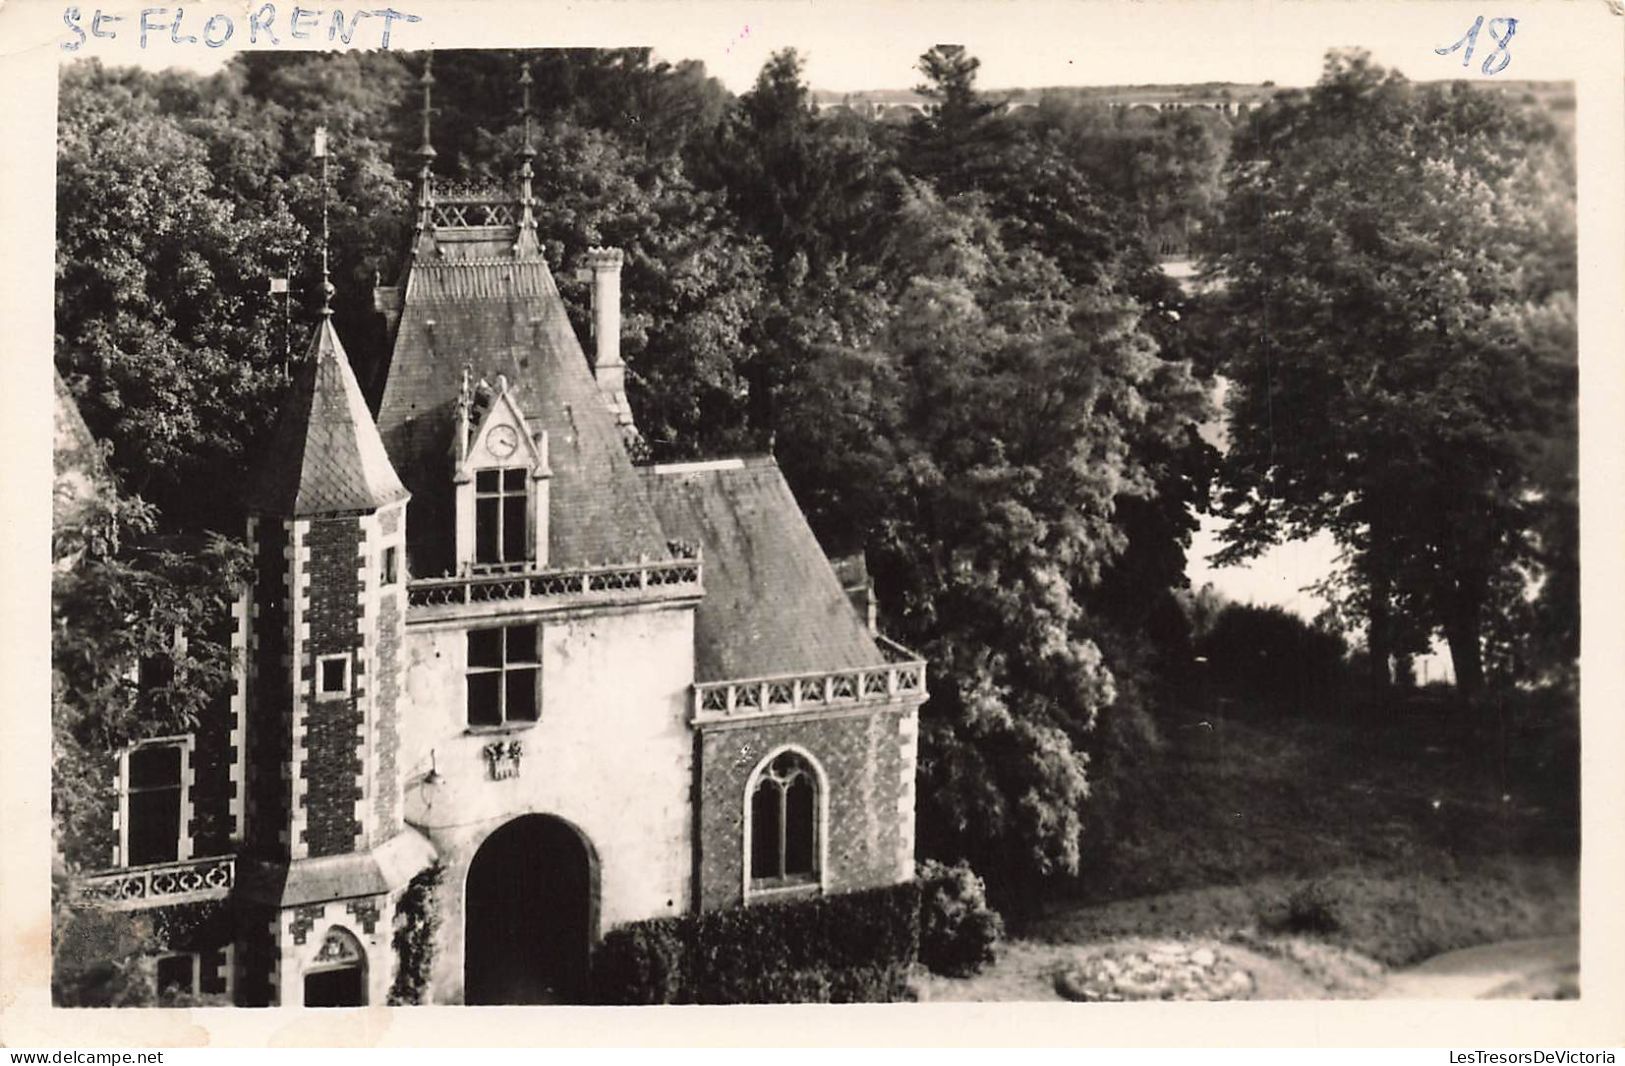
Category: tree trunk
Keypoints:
(1379, 638)
(1461, 631)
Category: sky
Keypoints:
(850, 46)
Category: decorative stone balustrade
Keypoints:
(474, 213)
(430, 598)
(473, 204)
(901, 678)
(160, 884)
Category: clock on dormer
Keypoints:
(502, 441)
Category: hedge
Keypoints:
(850, 948)
(959, 932)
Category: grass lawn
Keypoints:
(1330, 842)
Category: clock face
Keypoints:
(501, 441)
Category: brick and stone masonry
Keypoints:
(868, 763)
(271, 703)
(386, 683)
(332, 727)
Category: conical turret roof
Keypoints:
(325, 455)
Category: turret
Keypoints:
(326, 852)
(327, 525)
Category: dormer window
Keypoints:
(501, 472)
(501, 502)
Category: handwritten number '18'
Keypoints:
(1471, 38)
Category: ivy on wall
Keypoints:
(416, 920)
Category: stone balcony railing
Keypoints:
(438, 597)
(902, 677)
(160, 884)
(473, 204)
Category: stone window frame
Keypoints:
(389, 566)
(183, 840)
(195, 987)
(754, 888)
(503, 723)
(345, 689)
(502, 494)
(318, 960)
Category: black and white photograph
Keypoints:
(807, 510)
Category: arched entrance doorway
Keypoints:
(530, 909)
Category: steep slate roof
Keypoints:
(324, 454)
(504, 316)
(772, 604)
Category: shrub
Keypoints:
(875, 927)
(103, 958)
(800, 985)
(1270, 655)
(853, 947)
(640, 964)
(958, 931)
(870, 984)
(98, 958)
(1313, 907)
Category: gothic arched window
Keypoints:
(784, 823)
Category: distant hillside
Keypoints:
(1208, 91)
(1557, 97)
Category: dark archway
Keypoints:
(530, 914)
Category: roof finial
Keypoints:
(526, 244)
(426, 151)
(526, 150)
(424, 240)
(327, 280)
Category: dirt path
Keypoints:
(1545, 968)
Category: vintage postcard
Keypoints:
(1037, 516)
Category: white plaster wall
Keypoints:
(612, 754)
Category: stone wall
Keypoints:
(270, 702)
(332, 727)
(611, 755)
(390, 665)
(300, 933)
(867, 759)
(211, 787)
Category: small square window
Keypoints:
(333, 676)
(177, 975)
(389, 566)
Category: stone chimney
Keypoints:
(607, 367)
(853, 573)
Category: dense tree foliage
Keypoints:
(1399, 269)
(165, 331)
(956, 354)
(140, 648)
(955, 334)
